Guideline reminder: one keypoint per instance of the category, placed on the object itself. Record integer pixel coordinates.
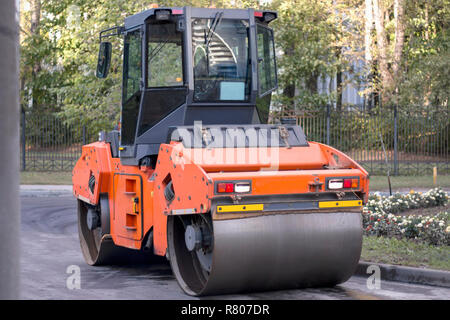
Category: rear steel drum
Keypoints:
(268, 252)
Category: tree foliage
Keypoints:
(307, 33)
(425, 78)
(316, 39)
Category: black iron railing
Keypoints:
(415, 141)
(50, 144)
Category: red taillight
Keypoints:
(351, 183)
(234, 187)
(258, 14)
(343, 183)
(225, 187)
(177, 11)
(347, 183)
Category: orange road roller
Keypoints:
(197, 176)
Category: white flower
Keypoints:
(420, 225)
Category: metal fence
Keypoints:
(49, 144)
(414, 142)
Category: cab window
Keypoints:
(165, 56)
(221, 60)
(132, 78)
(266, 60)
(132, 64)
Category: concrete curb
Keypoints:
(45, 190)
(390, 272)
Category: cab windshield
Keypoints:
(221, 59)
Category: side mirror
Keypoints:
(104, 59)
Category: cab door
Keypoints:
(131, 90)
(128, 206)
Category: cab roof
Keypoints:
(139, 18)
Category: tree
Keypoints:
(388, 75)
(308, 34)
(404, 45)
(409, 50)
(424, 80)
(59, 57)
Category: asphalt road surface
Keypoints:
(51, 258)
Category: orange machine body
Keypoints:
(137, 204)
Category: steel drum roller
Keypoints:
(270, 252)
(97, 245)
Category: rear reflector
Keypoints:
(241, 208)
(258, 14)
(337, 204)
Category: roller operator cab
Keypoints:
(182, 65)
(196, 174)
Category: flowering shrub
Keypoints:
(379, 220)
(413, 200)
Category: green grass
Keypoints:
(32, 177)
(405, 252)
(378, 183)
